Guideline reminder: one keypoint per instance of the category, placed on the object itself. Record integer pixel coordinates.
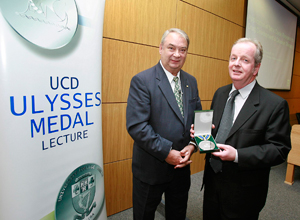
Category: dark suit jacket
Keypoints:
(261, 135)
(154, 122)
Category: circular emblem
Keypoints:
(50, 24)
(82, 194)
(207, 145)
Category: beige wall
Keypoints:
(132, 33)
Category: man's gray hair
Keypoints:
(178, 31)
(259, 49)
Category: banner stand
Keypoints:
(51, 159)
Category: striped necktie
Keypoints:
(178, 95)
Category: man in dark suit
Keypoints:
(258, 139)
(160, 130)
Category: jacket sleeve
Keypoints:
(138, 113)
(274, 141)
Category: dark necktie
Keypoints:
(225, 127)
(178, 95)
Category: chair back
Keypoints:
(294, 155)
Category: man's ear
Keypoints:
(255, 73)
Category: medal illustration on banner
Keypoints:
(82, 194)
(50, 24)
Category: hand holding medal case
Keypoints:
(202, 126)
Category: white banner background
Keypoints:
(35, 162)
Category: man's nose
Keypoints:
(237, 62)
(176, 53)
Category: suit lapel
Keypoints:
(165, 87)
(247, 111)
(218, 112)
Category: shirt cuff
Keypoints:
(236, 160)
(195, 146)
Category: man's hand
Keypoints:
(174, 157)
(186, 154)
(180, 158)
(227, 152)
(192, 131)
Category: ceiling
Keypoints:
(294, 5)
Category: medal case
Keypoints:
(202, 126)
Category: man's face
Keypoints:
(173, 52)
(241, 67)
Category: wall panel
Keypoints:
(298, 40)
(117, 143)
(210, 74)
(198, 162)
(294, 105)
(138, 20)
(120, 62)
(205, 104)
(293, 119)
(210, 35)
(296, 71)
(232, 10)
(118, 186)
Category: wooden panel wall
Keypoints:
(209, 34)
(131, 36)
(132, 33)
(230, 9)
(138, 21)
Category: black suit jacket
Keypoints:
(154, 122)
(261, 135)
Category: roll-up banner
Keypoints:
(51, 163)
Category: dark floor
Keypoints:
(283, 202)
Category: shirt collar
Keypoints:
(169, 75)
(245, 91)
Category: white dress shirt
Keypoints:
(239, 102)
(171, 77)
